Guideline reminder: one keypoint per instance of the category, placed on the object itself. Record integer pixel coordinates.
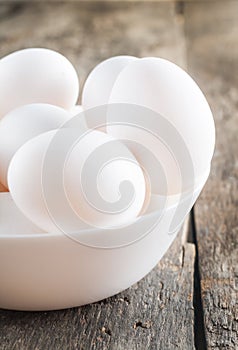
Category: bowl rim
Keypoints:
(173, 198)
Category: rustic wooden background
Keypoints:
(190, 300)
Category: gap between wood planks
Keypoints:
(199, 324)
(191, 237)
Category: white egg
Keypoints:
(179, 124)
(77, 111)
(24, 123)
(37, 75)
(64, 182)
(112, 184)
(98, 86)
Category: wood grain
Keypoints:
(213, 60)
(89, 32)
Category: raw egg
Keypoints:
(37, 75)
(98, 86)
(24, 123)
(77, 111)
(63, 181)
(177, 127)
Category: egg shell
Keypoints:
(45, 181)
(37, 75)
(98, 85)
(103, 167)
(22, 124)
(165, 88)
(78, 111)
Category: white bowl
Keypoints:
(43, 271)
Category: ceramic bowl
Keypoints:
(44, 271)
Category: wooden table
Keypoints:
(190, 300)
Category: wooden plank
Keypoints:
(156, 313)
(89, 32)
(213, 60)
(122, 1)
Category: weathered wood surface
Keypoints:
(156, 313)
(212, 33)
(89, 32)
